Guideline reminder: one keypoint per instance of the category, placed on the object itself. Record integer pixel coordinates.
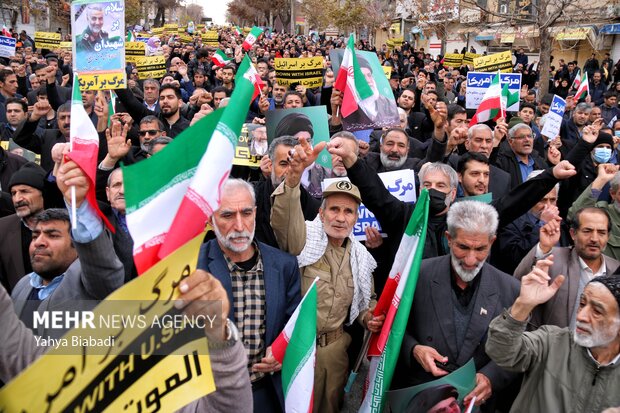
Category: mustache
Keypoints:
(21, 204)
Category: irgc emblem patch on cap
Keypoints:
(344, 185)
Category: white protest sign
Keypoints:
(553, 120)
(7, 46)
(401, 184)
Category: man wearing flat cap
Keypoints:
(325, 248)
(26, 187)
(566, 369)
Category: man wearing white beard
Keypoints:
(251, 271)
(456, 298)
(566, 369)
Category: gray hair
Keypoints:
(537, 172)
(347, 135)
(93, 7)
(472, 216)
(477, 127)
(614, 184)
(161, 140)
(583, 107)
(151, 119)
(235, 184)
(445, 169)
(285, 140)
(153, 81)
(112, 173)
(513, 131)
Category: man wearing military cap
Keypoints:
(325, 248)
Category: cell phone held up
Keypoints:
(447, 366)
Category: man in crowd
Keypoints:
(583, 359)
(261, 282)
(326, 249)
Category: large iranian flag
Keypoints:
(491, 106)
(583, 89)
(251, 38)
(170, 196)
(295, 349)
(351, 82)
(395, 302)
(85, 145)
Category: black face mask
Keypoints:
(437, 201)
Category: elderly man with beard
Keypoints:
(275, 167)
(585, 261)
(566, 369)
(262, 285)
(325, 248)
(93, 37)
(456, 298)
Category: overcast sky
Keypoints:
(216, 9)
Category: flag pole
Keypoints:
(502, 109)
(72, 188)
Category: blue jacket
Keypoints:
(282, 289)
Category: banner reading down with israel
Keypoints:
(134, 352)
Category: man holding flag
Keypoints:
(326, 249)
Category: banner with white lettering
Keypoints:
(7, 46)
(401, 184)
(553, 120)
(479, 82)
(98, 28)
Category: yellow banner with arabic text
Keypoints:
(307, 71)
(453, 60)
(134, 50)
(494, 62)
(387, 70)
(131, 376)
(47, 40)
(469, 57)
(151, 67)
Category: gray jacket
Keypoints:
(560, 376)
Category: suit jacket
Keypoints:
(93, 276)
(282, 287)
(431, 321)
(27, 137)
(507, 161)
(11, 257)
(559, 309)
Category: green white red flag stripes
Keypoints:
(583, 89)
(295, 349)
(491, 106)
(351, 82)
(170, 196)
(85, 145)
(252, 75)
(220, 59)
(251, 38)
(395, 302)
(577, 81)
(111, 107)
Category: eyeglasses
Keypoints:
(151, 132)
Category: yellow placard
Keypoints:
(47, 40)
(307, 71)
(157, 30)
(182, 29)
(106, 81)
(494, 62)
(580, 33)
(200, 26)
(65, 45)
(453, 60)
(186, 38)
(395, 28)
(243, 157)
(4, 145)
(468, 59)
(210, 38)
(134, 50)
(151, 67)
(171, 28)
(136, 381)
(387, 70)
(144, 35)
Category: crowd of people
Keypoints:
(522, 250)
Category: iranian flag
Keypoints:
(85, 145)
(508, 98)
(130, 36)
(111, 106)
(583, 89)
(491, 106)
(577, 81)
(170, 196)
(295, 349)
(351, 82)
(395, 302)
(251, 38)
(237, 31)
(252, 75)
(220, 59)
